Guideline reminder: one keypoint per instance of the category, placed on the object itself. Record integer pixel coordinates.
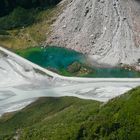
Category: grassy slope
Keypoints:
(50, 117)
(75, 119)
(34, 34)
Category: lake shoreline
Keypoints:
(59, 59)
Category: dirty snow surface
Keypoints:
(22, 82)
(107, 30)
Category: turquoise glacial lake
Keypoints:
(60, 58)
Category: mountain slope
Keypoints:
(27, 25)
(72, 118)
(49, 118)
(108, 31)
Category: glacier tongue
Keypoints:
(22, 82)
(17, 80)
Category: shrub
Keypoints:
(18, 18)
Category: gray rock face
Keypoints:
(107, 30)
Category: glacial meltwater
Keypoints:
(59, 59)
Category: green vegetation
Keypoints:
(27, 26)
(79, 69)
(3, 32)
(32, 27)
(76, 69)
(20, 17)
(69, 118)
(54, 118)
(7, 6)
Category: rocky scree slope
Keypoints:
(107, 30)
